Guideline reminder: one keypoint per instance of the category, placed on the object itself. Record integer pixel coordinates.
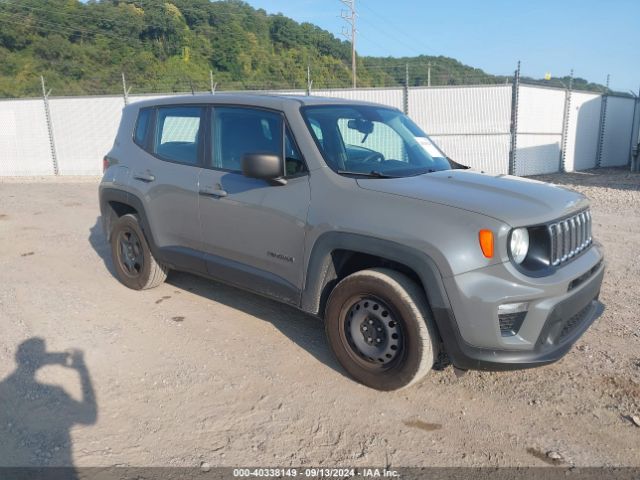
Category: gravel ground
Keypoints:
(194, 371)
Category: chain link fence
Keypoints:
(511, 128)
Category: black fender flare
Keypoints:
(108, 195)
(320, 270)
(320, 266)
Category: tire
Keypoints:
(136, 267)
(370, 312)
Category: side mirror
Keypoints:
(266, 166)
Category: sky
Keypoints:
(595, 38)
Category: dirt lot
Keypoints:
(196, 371)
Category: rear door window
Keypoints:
(178, 135)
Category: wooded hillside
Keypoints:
(83, 48)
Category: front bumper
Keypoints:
(560, 312)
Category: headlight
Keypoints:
(519, 244)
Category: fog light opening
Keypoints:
(510, 317)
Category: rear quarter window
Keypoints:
(142, 126)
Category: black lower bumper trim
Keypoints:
(551, 345)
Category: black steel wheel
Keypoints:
(372, 332)
(380, 328)
(134, 263)
(130, 255)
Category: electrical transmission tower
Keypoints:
(349, 16)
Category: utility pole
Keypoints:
(309, 81)
(429, 74)
(349, 16)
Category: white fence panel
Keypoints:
(540, 117)
(540, 110)
(537, 154)
(24, 139)
(471, 124)
(387, 96)
(617, 132)
(489, 153)
(447, 110)
(84, 130)
(582, 133)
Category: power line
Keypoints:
(396, 29)
(375, 42)
(386, 33)
(338, 76)
(315, 35)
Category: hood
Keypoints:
(514, 200)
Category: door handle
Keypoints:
(212, 192)
(144, 176)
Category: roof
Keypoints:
(253, 99)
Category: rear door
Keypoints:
(165, 177)
(253, 231)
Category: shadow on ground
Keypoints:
(301, 328)
(36, 418)
(99, 243)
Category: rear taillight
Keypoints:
(105, 163)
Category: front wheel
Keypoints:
(380, 328)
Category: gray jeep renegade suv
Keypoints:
(348, 211)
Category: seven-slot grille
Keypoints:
(569, 237)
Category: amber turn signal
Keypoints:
(486, 242)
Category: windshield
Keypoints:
(374, 141)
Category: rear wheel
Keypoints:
(380, 328)
(134, 263)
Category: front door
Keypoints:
(253, 231)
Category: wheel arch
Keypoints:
(337, 254)
(114, 203)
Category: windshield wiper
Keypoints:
(372, 174)
(457, 165)
(423, 172)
